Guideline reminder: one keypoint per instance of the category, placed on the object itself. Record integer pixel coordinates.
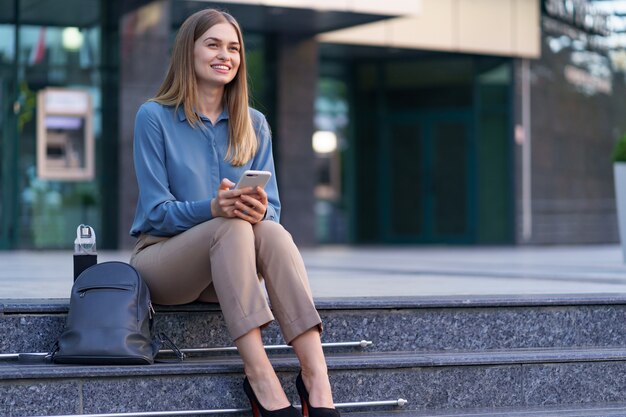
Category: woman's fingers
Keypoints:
(246, 214)
(226, 184)
(246, 203)
(225, 201)
(262, 195)
(249, 209)
(257, 205)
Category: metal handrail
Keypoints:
(361, 344)
(4, 356)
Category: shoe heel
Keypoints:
(304, 395)
(255, 409)
(305, 408)
(252, 398)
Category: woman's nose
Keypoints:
(222, 55)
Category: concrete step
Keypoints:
(598, 410)
(418, 324)
(432, 383)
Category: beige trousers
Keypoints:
(221, 260)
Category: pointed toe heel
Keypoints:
(258, 410)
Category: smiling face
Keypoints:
(217, 56)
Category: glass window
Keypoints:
(329, 142)
(57, 48)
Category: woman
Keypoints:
(200, 239)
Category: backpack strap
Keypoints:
(166, 341)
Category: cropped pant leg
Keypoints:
(281, 265)
(219, 253)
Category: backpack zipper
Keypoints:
(83, 290)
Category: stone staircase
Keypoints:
(447, 356)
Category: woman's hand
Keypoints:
(245, 203)
(251, 205)
(224, 204)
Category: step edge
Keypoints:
(572, 410)
(61, 305)
(289, 363)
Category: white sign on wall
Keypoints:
(65, 142)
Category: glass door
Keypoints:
(429, 160)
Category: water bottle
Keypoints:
(84, 249)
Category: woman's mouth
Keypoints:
(221, 67)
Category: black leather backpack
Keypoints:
(110, 319)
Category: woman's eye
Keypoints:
(212, 45)
(234, 48)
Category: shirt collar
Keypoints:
(223, 115)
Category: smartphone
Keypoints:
(251, 178)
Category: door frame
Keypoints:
(9, 157)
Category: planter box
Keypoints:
(619, 170)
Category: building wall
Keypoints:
(297, 64)
(388, 7)
(578, 103)
(494, 27)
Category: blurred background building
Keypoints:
(399, 121)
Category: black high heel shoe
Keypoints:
(257, 408)
(307, 409)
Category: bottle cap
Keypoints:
(85, 239)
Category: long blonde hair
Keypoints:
(180, 87)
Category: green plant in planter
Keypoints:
(619, 151)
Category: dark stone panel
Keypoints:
(424, 388)
(575, 383)
(408, 329)
(205, 330)
(23, 333)
(421, 330)
(30, 398)
(481, 328)
(451, 386)
(196, 392)
(433, 388)
(167, 393)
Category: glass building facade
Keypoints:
(409, 146)
(54, 44)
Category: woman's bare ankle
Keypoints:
(318, 387)
(267, 388)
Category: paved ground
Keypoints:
(344, 271)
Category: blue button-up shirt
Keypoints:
(179, 168)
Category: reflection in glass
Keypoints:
(7, 44)
(331, 120)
